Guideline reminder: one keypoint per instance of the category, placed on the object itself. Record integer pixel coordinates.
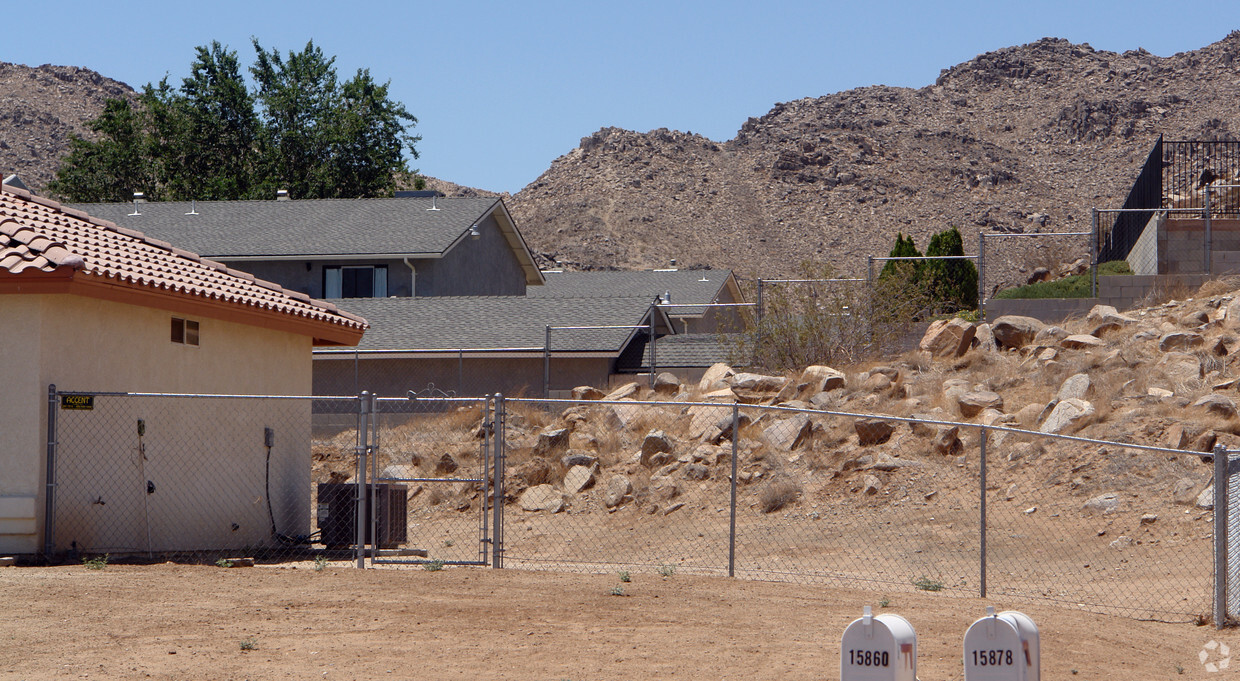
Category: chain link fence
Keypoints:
(787, 493)
(781, 494)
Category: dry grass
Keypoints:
(777, 494)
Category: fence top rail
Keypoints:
(702, 305)
(433, 398)
(879, 417)
(1150, 210)
(603, 326)
(875, 258)
(207, 395)
(803, 281)
(996, 236)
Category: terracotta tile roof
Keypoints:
(41, 238)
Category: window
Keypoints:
(365, 281)
(184, 331)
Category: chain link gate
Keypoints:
(432, 480)
(1226, 536)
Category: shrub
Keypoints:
(1076, 286)
(778, 494)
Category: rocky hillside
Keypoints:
(1021, 139)
(40, 108)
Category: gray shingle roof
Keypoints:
(683, 351)
(500, 322)
(322, 227)
(686, 286)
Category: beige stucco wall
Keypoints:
(92, 345)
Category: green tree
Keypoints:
(113, 167)
(907, 269)
(212, 138)
(953, 283)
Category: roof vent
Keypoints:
(138, 197)
(15, 181)
(282, 195)
(193, 207)
(433, 206)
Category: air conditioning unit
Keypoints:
(337, 515)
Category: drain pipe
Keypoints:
(413, 277)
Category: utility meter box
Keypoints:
(878, 648)
(1002, 647)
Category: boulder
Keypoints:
(586, 392)
(876, 382)
(947, 441)
(1178, 341)
(1014, 331)
(1081, 341)
(1185, 491)
(1067, 414)
(666, 384)
(757, 383)
(1181, 367)
(542, 498)
(551, 440)
(696, 471)
(663, 488)
(656, 442)
(984, 338)
(1231, 318)
(714, 377)
(578, 478)
(1217, 404)
(626, 391)
(1194, 319)
(948, 337)
(1039, 274)
(972, 403)
(1205, 500)
(871, 485)
(1050, 335)
(446, 464)
(1106, 314)
(1103, 503)
(873, 431)
(723, 394)
(1074, 387)
(790, 433)
(818, 378)
(887, 462)
(619, 489)
(575, 457)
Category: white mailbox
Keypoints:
(882, 648)
(1002, 647)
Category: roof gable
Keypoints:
(45, 247)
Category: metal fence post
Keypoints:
(981, 276)
(363, 436)
(981, 457)
(498, 420)
(1093, 253)
(49, 502)
(1221, 502)
(547, 364)
(652, 358)
(488, 492)
(736, 427)
(372, 496)
(1209, 264)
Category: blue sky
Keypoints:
(502, 88)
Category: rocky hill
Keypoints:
(1025, 139)
(1021, 139)
(40, 108)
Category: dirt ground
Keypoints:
(205, 622)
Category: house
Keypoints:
(349, 248)
(450, 289)
(91, 306)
